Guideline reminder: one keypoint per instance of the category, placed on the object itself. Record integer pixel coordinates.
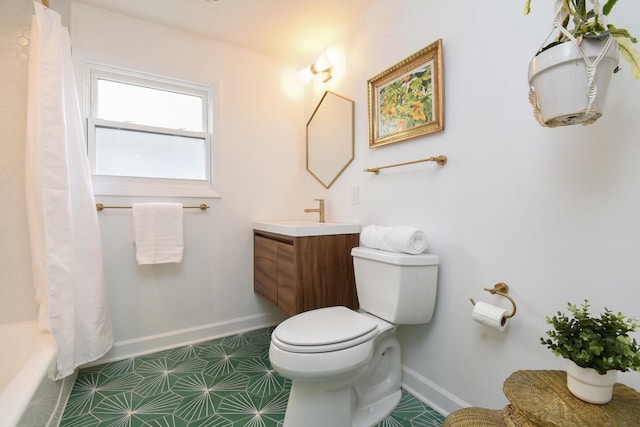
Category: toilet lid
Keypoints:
(324, 329)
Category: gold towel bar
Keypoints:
(441, 160)
(100, 206)
(501, 289)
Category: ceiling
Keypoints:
(292, 30)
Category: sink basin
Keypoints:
(303, 228)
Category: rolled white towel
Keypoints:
(405, 239)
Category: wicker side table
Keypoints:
(474, 417)
(541, 399)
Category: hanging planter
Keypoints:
(569, 77)
(569, 82)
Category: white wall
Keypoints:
(552, 212)
(260, 159)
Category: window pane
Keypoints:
(123, 102)
(121, 152)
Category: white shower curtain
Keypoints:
(66, 248)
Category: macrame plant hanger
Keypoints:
(589, 115)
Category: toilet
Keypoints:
(344, 365)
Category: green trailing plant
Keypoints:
(582, 21)
(602, 343)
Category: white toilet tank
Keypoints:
(397, 287)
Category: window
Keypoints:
(148, 135)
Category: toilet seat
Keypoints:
(324, 330)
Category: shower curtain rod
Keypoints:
(100, 206)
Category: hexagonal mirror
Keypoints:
(330, 138)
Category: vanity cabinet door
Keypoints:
(275, 273)
(286, 279)
(265, 268)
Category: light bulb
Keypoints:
(333, 55)
(305, 75)
(328, 59)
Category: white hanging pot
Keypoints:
(559, 77)
(588, 385)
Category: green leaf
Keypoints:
(595, 348)
(629, 53)
(581, 10)
(621, 32)
(606, 9)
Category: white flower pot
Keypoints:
(558, 76)
(588, 385)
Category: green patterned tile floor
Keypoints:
(225, 382)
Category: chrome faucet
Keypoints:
(320, 209)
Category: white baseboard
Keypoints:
(433, 395)
(158, 342)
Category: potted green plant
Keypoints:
(595, 348)
(575, 68)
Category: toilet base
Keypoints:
(310, 406)
(362, 399)
(376, 412)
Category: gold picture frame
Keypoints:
(407, 100)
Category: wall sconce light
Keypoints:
(322, 66)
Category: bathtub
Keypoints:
(28, 397)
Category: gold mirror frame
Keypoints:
(330, 138)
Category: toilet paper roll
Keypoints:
(490, 315)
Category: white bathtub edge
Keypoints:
(12, 399)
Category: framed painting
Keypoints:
(407, 100)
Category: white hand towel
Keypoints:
(158, 232)
(405, 239)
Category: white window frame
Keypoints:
(108, 185)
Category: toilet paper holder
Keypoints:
(501, 289)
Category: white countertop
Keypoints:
(301, 228)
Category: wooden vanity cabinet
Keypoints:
(303, 273)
